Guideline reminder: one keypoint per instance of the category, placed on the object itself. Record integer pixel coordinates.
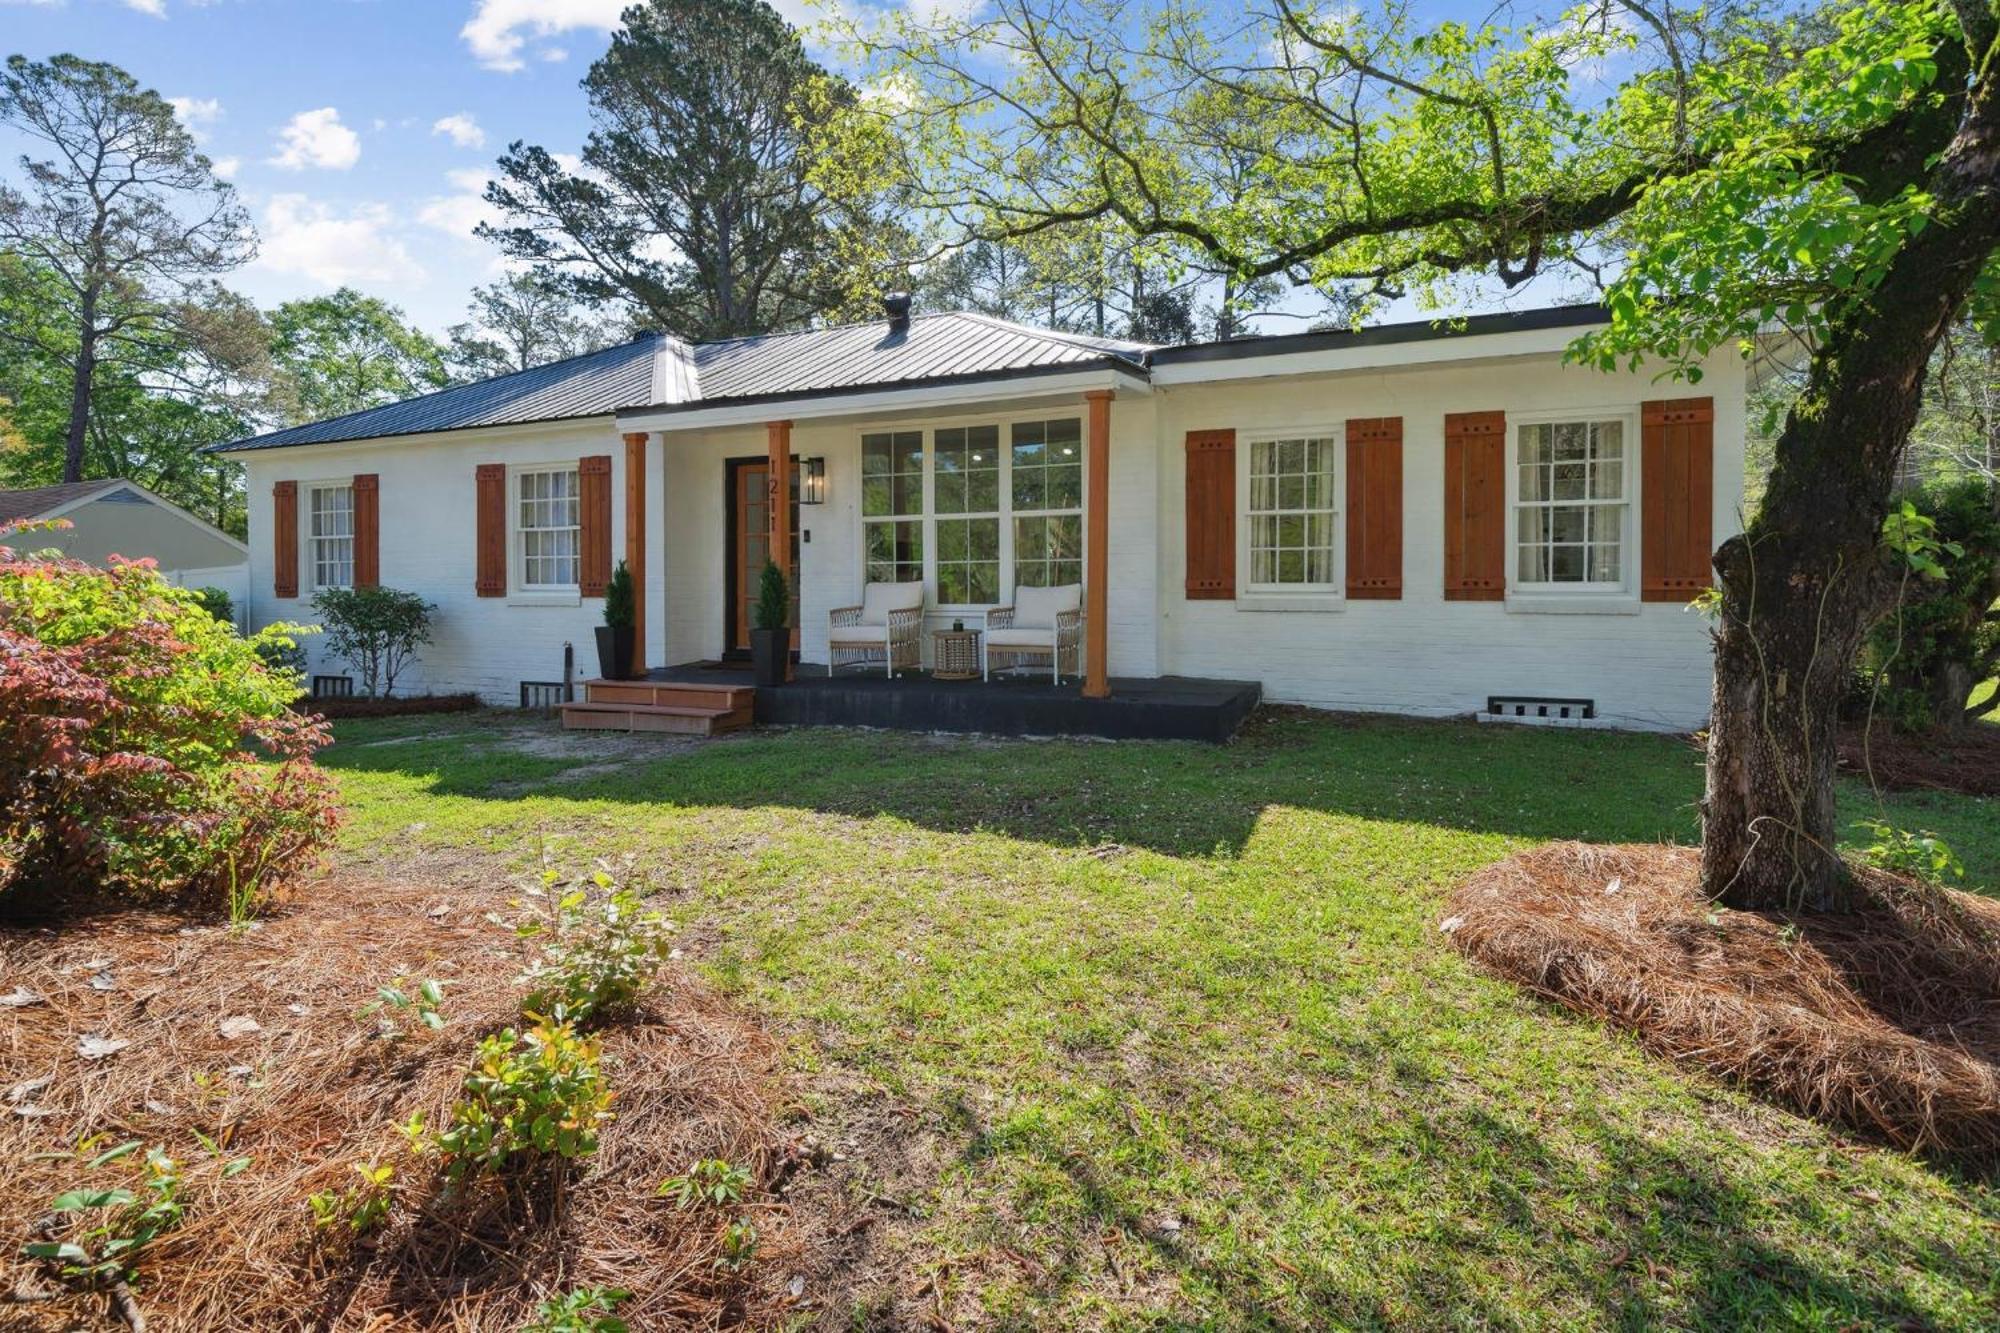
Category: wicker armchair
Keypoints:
(1042, 624)
(886, 627)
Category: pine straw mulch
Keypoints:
(1967, 762)
(314, 1089)
(1885, 1021)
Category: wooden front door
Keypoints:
(750, 544)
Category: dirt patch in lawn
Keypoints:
(216, 1046)
(1885, 1021)
(1968, 762)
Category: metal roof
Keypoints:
(38, 500)
(656, 371)
(592, 385)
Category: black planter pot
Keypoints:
(614, 652)
(769, 649)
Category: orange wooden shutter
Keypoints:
(490, 522)
(285, 539)
(593, 484)
(1677, 467)
(1375, 508)
(367, 531)
(1211, 515)
(1475, 506)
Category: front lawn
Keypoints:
(1116, 1034)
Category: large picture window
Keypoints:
(549, 530)
(1571, 503)
(978, 509)
(1291, 513)
(330, 535)
(892, 505)
(1047, 495)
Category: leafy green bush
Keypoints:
(145, 748)
(217, 603)
(619, 610)
(585, 1310)
(774, 606)
(377, 631)
(531, 1095)
(597, 954)
(712, 1180)
(1922, 661)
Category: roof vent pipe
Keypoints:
(897, 306)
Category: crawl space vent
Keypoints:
(333, 687)
(1531, 706)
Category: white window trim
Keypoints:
(308, 558)
(1291, 596)
(524, 594)
(1621, 598)
(928, 426)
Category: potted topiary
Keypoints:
(614, 636)
(771, 632)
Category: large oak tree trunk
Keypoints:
(1803, 582)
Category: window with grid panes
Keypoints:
(330, 535)
(1571, 504)
(965, 492)
(1046, 491)
(548, 527)
(1291, 513)
(892, 505)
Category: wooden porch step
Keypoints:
(668, 694)
(681, 719)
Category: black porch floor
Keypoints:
(1140, 708)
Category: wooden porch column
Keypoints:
(780, 433)
(635, 541)
(1096, 545)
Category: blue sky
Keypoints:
(358, 131)
(361, 132)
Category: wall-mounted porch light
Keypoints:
(812, 481)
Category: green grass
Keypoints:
(1097, 988)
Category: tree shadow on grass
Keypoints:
(1176, 798)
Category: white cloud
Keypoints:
(305, 237)
(196, 112)
(555, 55)
(461, 129)
(317, 139)
(157, 8)
(226, 167)
(459, 212)
(498, 29)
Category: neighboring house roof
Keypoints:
(656, 371)
(36, 501)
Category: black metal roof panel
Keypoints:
(930, 347)
(1384, 335)
(594, 384)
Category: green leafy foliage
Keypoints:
(531, 1096)
(619, 612)
(1920, 853)
(739, 1247)
(599, 947)
(360, 1209)
(712, 1181)
(376, 630)
(419, 1006)
(109, 1229)
(1923, 660)
(145, 748)
(773, 609)
(585, 1310)
(346, 352)
(217, 603)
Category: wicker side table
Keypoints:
(955, 654)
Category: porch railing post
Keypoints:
(635, 541)
(1097, 545)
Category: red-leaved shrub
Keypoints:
(146, 751)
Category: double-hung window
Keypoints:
(1572, 505)
(1291, 513)
(548, 531)
(330, 535)
(892, 505)
(1047, 496)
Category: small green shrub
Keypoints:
(421, 1006)
(1921, 854)
(739, 1247)
(360, 1209)
(774, 605)
(585, 1310)
(146, 750)
(377, 631)
(619, 611)
(530, 1096)
(117, 1224)
(711, 1181)
(597, 952)
(217, 603)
